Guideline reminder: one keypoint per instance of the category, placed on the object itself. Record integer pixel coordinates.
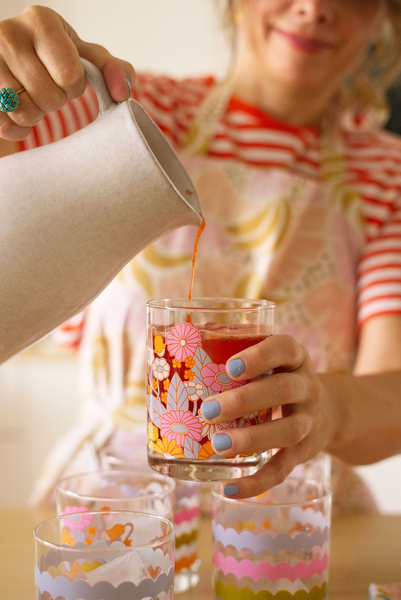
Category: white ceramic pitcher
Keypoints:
(73, 213)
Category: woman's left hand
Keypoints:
(306, 424)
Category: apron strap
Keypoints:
(332, 147)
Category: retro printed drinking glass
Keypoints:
(276, 543)
(118, 490)
(187, 350)
(132, 456)
(104, 555)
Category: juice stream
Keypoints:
(194, 255)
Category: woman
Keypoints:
(300, 192)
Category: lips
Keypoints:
(305, 43)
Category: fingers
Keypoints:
(117, 73)
(272, 473)
(279, 433)
(275, 352)
(16, 126)
(28, 113)
(292, 385)
(273, 390)
(294, 380)
(59, 48)
(41, 53)
(10, 131)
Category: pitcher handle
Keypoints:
(95, 77)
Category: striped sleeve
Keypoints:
(379, 277)
(170, 102)
(69, 334)
(57, 125)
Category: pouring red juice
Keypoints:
(189, 342)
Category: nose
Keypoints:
(314, 11)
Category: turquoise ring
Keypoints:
(9, 99)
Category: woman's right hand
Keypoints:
(40, 52)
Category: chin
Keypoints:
(297, 74)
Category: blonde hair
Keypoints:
(380, 67)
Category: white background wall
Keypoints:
(179, 37)
(38, 397)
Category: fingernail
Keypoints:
(235, 367)
(129, 85)
(230, 490)
(221, 441)
(211, 409)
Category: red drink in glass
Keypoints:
(222, 342)
(187, 352)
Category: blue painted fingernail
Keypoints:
(230, 490)
(235, 367)
(221, 441)
(211, 409)
(129, 84)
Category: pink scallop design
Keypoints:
(264, 570)
(186, 514)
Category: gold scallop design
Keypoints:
(141, 276)
(265, 228)
(160, 259)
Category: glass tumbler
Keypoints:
(187, 509)
(187, 351)
(317, 468)
(117, 490)
(276, 543)
(104, 555)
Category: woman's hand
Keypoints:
(304, 429)
(41, 53)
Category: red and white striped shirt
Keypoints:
(247, 135)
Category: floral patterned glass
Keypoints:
(104, 555)
(275, 545)
(187, 508)
(187, 350)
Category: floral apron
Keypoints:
(273, 233)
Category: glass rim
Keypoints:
(118, 461)
(104, 451)
(135, 513)
(169, 483)
(181, 303)
(248, 502)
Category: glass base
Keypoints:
(207, 470)
(186, 579)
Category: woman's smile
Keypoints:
(304, 43)
(293, 54)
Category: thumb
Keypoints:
(117, 73)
